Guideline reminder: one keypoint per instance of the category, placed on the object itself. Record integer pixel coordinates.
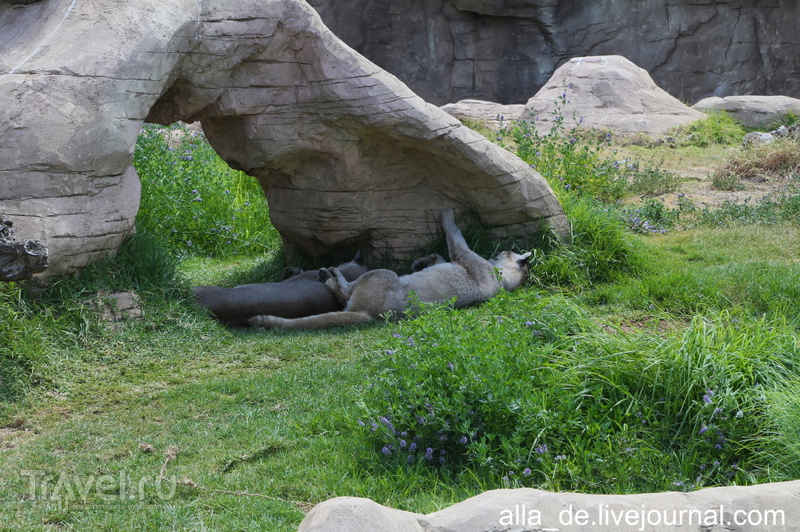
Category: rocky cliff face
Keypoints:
(505, 50)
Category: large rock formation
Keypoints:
(753, 111)
(505, 50)
(19, 260)
(492, 114)
(606, 92)
(766, 507)
(345, 152)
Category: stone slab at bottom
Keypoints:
(765, 507)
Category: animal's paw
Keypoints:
(330, 276)
(265, 322)
(324, 275)
(448, 215)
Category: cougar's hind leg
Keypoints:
(319, 321)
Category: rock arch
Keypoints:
(344, 151)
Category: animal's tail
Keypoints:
(319, 321)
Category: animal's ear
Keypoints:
(358, 259)
(523, 259)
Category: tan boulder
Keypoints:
(345, 152)
(493, 114)
(606, 92)
(753, 111)
(766, 508)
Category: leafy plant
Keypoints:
(601, 249)
(531, 392)
(719, 127)
(568, 160)
(581, 161)
(722, 180)
(652, 217)
(195, 201)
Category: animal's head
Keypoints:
(513, 268)
(355, 268)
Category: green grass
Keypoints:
(594, 377)
(196, 202)
(718, 127)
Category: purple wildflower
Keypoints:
(429, 454)
(387, 423)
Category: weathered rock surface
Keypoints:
(19, 259)
(118, 306)
(505, 51)
(345, 152)
(493, 114)
(766, 507)
(783, 132)
(606, 92)
(752, 111)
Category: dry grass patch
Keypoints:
(775, 161)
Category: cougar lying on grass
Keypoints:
(300, 295)
(469, 278)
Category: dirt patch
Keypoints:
(14, 434)
(696, 168)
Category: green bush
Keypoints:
(718, 127)
(651, 217)
(143, 264)
(528, 390)
(578, 161)
(569, 161)
(196, 202)
(601, 249)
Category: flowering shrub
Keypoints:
(533, 394)
(579, 161)
(652, 217)
(569, 160)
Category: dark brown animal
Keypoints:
(298, 296)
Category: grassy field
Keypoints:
(659, 352)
